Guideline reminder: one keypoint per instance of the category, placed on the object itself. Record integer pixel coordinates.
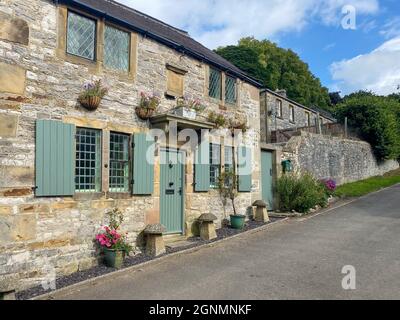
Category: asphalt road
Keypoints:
(297, 259)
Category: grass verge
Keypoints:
(361, 188)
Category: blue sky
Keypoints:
(345, 60)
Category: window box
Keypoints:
(186, 113)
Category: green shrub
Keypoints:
(377, 121)
(300, 192)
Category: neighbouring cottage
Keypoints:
(279, 113)
(63, 167)
(312, 140)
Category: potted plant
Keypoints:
(238, 122)
(227, 185)
(92, 94)
(148, 105)
(188, 108)
(112, 243)
(217, 118)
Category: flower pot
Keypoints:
(114, 258)
(237, 222)
(144, 113)
(186, 113)
(90, 103)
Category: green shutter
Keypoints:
(202, 167)
(143, 170)
(55, 158)
(244, 169)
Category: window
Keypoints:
(230, 90)
(215, 84)
(88, 160)
(228, 165)
(279, 109)
(215, 164)
(116, 49)
(81, 36)
(119, 162)
(228, 159)
(308, 119)
(291, 111)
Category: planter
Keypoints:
(90, 103)
(186, 113)
(237, 222)
(114, 258)
(144, 113)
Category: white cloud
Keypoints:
(220, 22)
(378, 71)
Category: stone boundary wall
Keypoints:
(330, 157)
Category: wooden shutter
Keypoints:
(244, 169)
(143, 170)
(202, 167)
(55, 158)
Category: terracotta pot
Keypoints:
(90, 103)
(144, 113)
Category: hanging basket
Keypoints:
(90, 103)
(144, 113)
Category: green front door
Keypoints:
(267, 176)
(172, 191)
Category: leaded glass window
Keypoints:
(119, 162)
(88, 160)
(81, 36)
(116, 49)
(215, 164)
(215, 84)
(228, 165)
(230, 90)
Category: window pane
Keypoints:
(228, 162)
(81, 35)
(119, 162)
(230, 90)
(215, 164)
(116, 49)
(215, 84)
(88, 160)
(279, 108)
(291, 113)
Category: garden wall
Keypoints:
(331, 157)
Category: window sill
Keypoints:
(119, 195)
(88, 195)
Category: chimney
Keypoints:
(281, 92)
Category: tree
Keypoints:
(335, 98)
(377, 120)
(278, 68)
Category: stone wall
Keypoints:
(37, 81)
(330, 157)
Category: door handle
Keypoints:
(270, 172)
(180, 191)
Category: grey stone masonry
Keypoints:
(39, 80)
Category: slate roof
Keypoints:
(157, 30)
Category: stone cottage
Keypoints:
(312, 140)
(278, 112)
(63, 167)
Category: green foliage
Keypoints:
(361, 188)
(300, 192)
(278, 68)
(377, 120)
(227, 186)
